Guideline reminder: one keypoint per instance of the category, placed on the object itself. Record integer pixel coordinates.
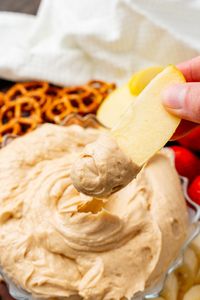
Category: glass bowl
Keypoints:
(90, 120)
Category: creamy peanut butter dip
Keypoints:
(102, 168)
(56, 242)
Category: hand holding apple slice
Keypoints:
(112, 161)
(146, 126)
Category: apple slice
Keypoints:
(116, 103)
(113, 106)
(146, 125)
(140, 79)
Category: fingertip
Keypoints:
(174, 96)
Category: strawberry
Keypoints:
(194, 190)
(191, 140)
(187, 163)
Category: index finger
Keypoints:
(191, 69)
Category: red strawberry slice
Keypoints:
(187, 163)
(194, 190)
(191, 140)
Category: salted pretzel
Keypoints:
(16, 91)
(102, 87)
(75, 90)
(23, 107)
(27, 125)
(85, 98)
(40, 98)
(70, 103)
(11, 128)
(90, 103)
(35, 86)
(38, 91)
(53, 91)
(27, 104)
(59, 109)
(19, 116)
(51, 94)
(18, 127)
(25, 89)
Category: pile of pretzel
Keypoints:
(25, 105)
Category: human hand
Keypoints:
(183, 100)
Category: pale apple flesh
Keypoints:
(113, 106)
(146, 125)
(140, 79)
(116, 103)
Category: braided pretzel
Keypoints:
(50, 94)
(27, 104)
(53, 91)
(102, 87)
(75, 90)
(90, 104)
(59, 109)
(11, 128)
(65, 105)
(19, 116)
(25, 88)
(20, 108)
(40, 98)
(18, 127)
(27, 125)
(35, 86)
(14, 92)
(85, 98)
(42, 92)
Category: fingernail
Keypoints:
(174, 96)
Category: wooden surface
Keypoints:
(24, 6)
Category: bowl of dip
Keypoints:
(58, 243)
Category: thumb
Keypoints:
(183, 100)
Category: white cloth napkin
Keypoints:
(72, 41)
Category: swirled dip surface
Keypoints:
(56, 242)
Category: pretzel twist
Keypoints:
(102, 87)
(19, 116)
(10, 128)
(27, 104)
